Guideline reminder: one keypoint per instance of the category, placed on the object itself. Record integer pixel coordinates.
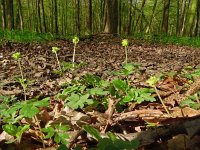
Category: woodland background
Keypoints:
(85, 17)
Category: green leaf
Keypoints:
(63, 147)
(78, 101)
(62, 127)
(120, 85)
(61, 138)
(112, 136)
(42, 103)
(21, 130)
(29, 111)
(98, 91)
(10, 129)
(50, 132)
(94, 132)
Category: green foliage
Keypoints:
(112, 142)
(24, 36)
(191, 101)
(58, 133)
(15, 131)
(78, 101)
(128, 69)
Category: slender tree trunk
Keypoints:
(130, 18)
(191, 18)
(3, 12)
(20, 15)
(111, 16)
(197, 20)
(120, 17)
(165, 16)
(10, 14)
(139, 19)
(44, 17)
(89, 16)
(56, 16)
(152, 16)
(78, 23)
(177, 17)
(182, 17)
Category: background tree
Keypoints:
(165, 16)
(111, 16)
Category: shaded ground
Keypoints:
(101, 55)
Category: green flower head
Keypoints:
(55, 49)
(16, 55)
(125, 42)
(75, 40)
(152, 80)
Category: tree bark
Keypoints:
(89, 16)
(56, 16)
(10, 14)
(152, 16)
(44, 17)
(165, 16)
(191, 18)
(111, 16)
(3, 12)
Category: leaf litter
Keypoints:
(101, 56)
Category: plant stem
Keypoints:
(161, 100)
(38, 124)
(24, 89)
(73, 59)
(20, 68)
(58, 62)
(126, 53)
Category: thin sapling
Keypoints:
(125, 45)
(54, 50)
(75, 41)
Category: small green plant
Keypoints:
(15, 131)
(23, 82)
(125, 45)
(75, 42)
(58, 133)
(192, 101)
(55, 50)
(17, 57)
(111, 141)
(152, 82)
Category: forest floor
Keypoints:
(102, 55)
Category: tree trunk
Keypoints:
(177, 17)
(43, 15)
(3, 12)
(56, 16)
(89, 16)
(165, 16)
(196, 33)
(191, 18)
(182, 17)
(111, 16)
(152, 16)
(130, 18)
(20, 14)
(10, 14)
(78, 23)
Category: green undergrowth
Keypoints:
(167, 39)
(24, 36)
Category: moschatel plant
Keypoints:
(125, 45)
(75, 42)
(23, 82)
(55, 50)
